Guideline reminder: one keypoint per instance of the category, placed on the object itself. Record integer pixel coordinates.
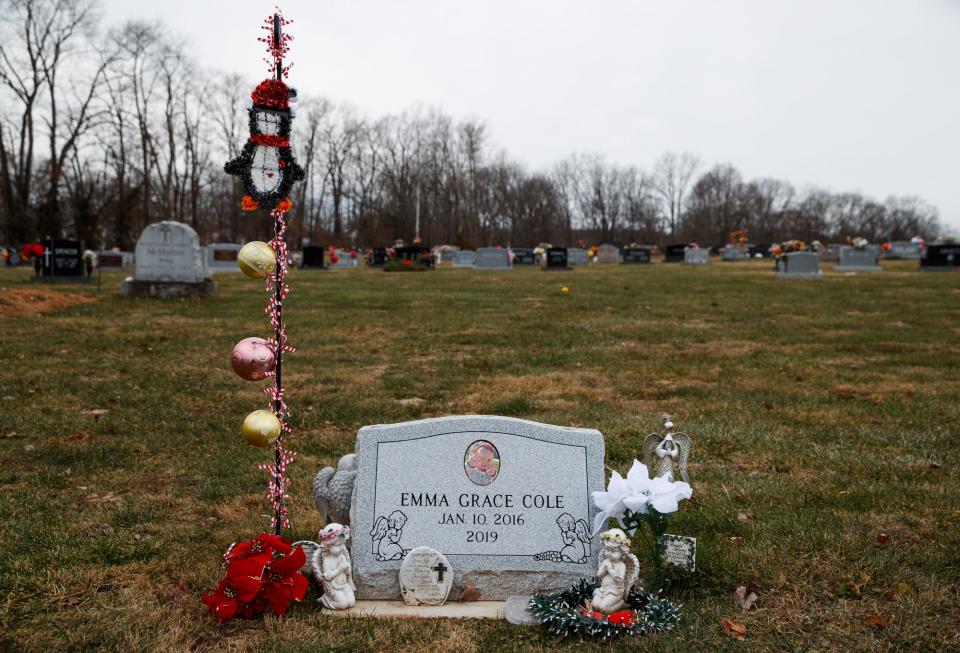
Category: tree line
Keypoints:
(104, 131)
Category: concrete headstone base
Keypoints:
(392, 609)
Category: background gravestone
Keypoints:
(903, 249)
(378, 257)
(465, 258)
(62, 260)
(577, 256)
(674, 253)
(313, 258)
(941, 257)
(557, 259)
(608, 254)
(169, 263)
(637, 255)
(734, 253)
(854, 259)
(507, 501)
(222, 257)
(493, 258)
(344, 261)
(523, 256)
(799, 265)
(110, 260)
(696, 256)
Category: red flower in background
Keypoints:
(408, 263)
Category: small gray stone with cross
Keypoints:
(425, 577)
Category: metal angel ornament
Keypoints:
(665, 455)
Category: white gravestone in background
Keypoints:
(507, 501)
(696, 256)
(493, 258)
(170, 251)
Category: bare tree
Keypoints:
(672, 174)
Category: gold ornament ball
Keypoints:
(257, 259)
(260, 428)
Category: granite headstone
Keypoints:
(507, 501)
(465, 258)
(696, 256)
(635, 255)
(577, 256)
(523, 256)
(799, 265)
(493, 258)
(557, 259)
(609, 254)
(222, 257)
(941, 257)
(734, 253)
(857, 259)
(169, 263)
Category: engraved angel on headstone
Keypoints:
(333, 490)
(664, 455)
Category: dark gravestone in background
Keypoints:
(110, 260)
(378, 257)
(674, 253)
(633, 255)
(557, 258)
(941, 257)
(312, 258)
(523, 256)
(415, 253)
(62, 258)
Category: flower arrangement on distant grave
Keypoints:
(787, 247)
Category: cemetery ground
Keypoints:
(824, 416)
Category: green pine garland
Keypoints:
(563, 613)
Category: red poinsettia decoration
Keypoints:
(262, 572)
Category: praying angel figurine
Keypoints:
(664, 455)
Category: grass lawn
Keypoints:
(824, 414)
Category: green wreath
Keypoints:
(565, 613)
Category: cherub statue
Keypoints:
(666, 454)
(333, 490)
(618, 571)
(332, 568)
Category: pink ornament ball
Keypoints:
(253, 359)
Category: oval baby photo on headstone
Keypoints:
(482, 462)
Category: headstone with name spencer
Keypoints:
(577, 256)
(637, 255)
(506, 501)
(859, 259)
(523, 256)
(62, 260)
(169, 263)
(696, 256)
(608, 254)
(465, 258)
(941, 257)
(674, 253)
(222, 257)
(799, 265)
(734, 253)
(493, 258)
(557, 259)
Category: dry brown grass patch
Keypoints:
(30, 301)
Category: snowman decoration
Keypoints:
(266, 163)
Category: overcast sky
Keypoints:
(848, 95)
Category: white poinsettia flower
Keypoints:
(636, 492)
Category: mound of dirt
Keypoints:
(34, 301)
